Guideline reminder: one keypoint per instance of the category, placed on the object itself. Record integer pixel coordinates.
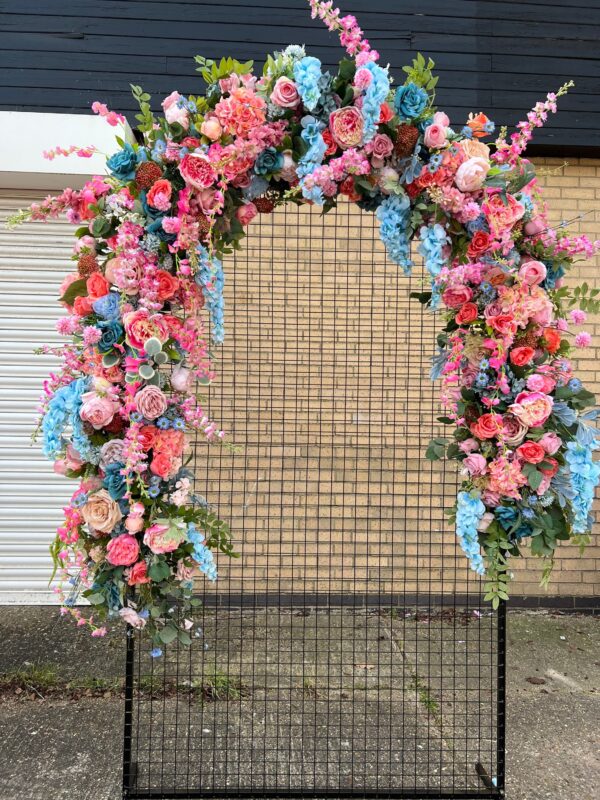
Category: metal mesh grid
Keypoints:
(347, 652)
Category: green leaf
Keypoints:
(168, 634)
(77, 289)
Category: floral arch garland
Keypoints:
(150, 241)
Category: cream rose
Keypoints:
(101, 512)
(471, 174)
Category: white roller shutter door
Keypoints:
(34, 258)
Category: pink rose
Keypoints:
(532, 408)
(111, 451)
(551, 442)
(346, 126)
(164, 536)
(122, 551)
(151, 402)
(137, 574)
(211, 128)
(435, 136)
(475, 464)
(197, 171)
(468, 445)
(513, 430)
(141, 325)
(162, 465)
(540, 383)
(174, 112)
(207, 199)
(159, 195)
(167, 285)
(246, 213)
(471, 174)
(98, 410)
(285, 94)
(380, 147)
(441, 119)
(455, 297)
(532, 272)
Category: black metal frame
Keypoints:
(361, 592)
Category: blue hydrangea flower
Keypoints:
(433, 240)
(307, 75)
(63, 410)
(374, 96)
(585, 474)
(202, 555)
(469, 511)
(211, 278)
(410, 101)
(312, 135)
(107, 306)
(393, 215)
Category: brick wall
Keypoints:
(324, 385)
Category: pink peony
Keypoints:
(285, 94)
(141, 325)
(435, 136)
(532, 408)
(151, 402)
(174, 111)
(441, 119)
(197, 171)
(502, 212)
(471, 174)
(346, 126)
(123, 550)
(97, 409)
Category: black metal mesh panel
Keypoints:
(347, 652)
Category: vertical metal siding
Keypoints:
(33, 261)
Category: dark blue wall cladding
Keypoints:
(496, 56)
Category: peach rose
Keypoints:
(488, 426)
(97, 286)
(472, 149)
(211, 128)
(151, 402)
(122, 551)
(101, 512)
(531, 452)
(162, 465)
(285, 94)
(471, 174)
